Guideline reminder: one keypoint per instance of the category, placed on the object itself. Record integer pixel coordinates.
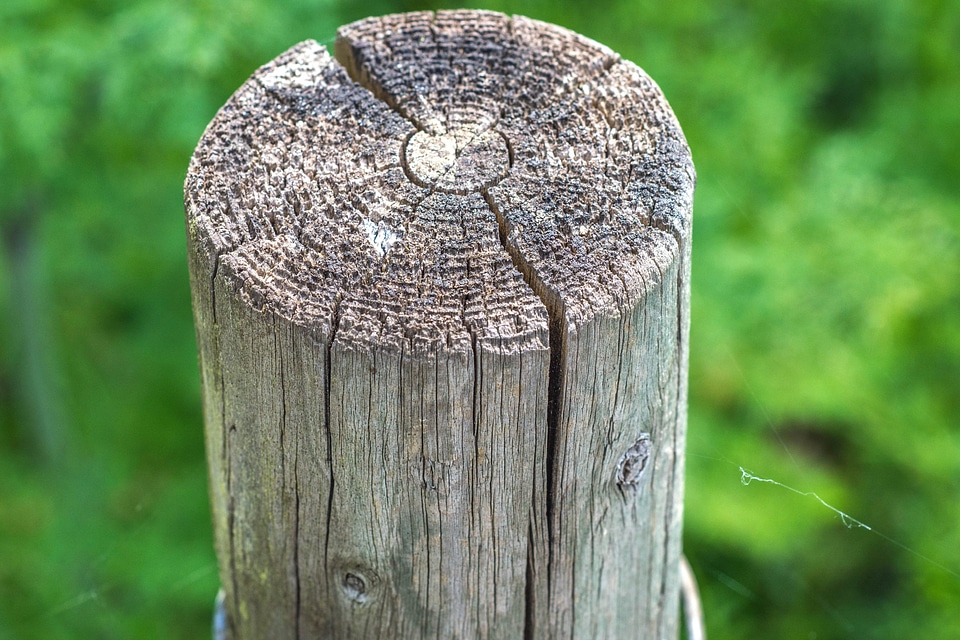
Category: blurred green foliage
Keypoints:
(826, 298)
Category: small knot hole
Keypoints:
(355, 587)
(633, 462)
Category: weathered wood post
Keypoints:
(441, 294)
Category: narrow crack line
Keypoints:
(283, 402)
(426, 483)
(557, 328)
(231, 526)
(361, 74)
(327, 375)
(283, 474)
(218, 357)
(679, 399)
(440, 510)
(226, 451)
(529, 601)
(296, 531)
(475, 510)
(616, 393)
(573, 591)
(476, 501)
(529, 591)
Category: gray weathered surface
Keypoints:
(442, 316)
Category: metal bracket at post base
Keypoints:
(220, 617)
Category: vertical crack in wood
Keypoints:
(231, 526)
(327, 369)
(283, 478)
(437, 493)
(557, 330)
(528, 614)
(347, 56)
(216, 350)
(226, 450)
(296, 529)
(683, 346)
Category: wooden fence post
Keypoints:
(440, 286)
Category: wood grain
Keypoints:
(441, 296)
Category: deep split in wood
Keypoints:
(441, 286)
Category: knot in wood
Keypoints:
(464, 160)
(355, 587)
(633, 462)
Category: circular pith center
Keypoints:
(464, 160)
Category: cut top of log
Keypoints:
(448, 181)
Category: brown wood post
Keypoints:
(441, 289)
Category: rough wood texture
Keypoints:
(441, 294)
